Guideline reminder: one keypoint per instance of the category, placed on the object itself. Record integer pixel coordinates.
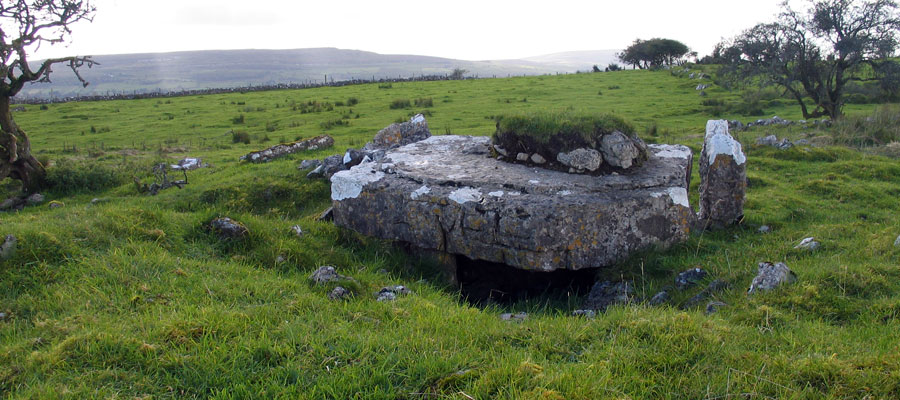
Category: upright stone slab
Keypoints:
(723, 177)
(447, 193)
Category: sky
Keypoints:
(461, 29)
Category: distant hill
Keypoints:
(234, 68)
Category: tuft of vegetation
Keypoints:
(400, 103)
(236, 120)
(544, 126)
(69, 176)
(424, 102)
(352, 101)
(240, 137)
(880, 128)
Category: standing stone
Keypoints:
(723, 177)
(769, 276)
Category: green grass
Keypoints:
(131, 297)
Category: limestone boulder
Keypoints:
(448, 194)
(723, 177)
(396, 135)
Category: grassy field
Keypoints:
(131, 297)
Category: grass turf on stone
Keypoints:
(132, 297)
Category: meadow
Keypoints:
(119, 294)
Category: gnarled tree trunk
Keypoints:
(16, 160)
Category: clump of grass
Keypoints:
(271, 126)
(424, 102)
(542, 126)
(385, 85)
(236, 120)
(400, 103)
(70, 176)
(878, 129)
(352, 101)
(333, 123)
(240, 137)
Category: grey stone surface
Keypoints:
(519, 316)
(660, 298)
(447, 193)
(307, 164)
(723, 177)
(714, 306)
(769, 276)
(326, 274)
(8, 248)
(620, 151)
(396, 135)
(606, 293)
(327, 215)
(298, 230)
(897, 242)
(188, 164)
(34, 199)
(390, 293)
(689, 278)
(581, 159)
(280, 150)
(227, 228)
(537, 159)
(808, 244)
(764, 229)
(522, 157)
(770, 140)
(339, 293)
(584, 313)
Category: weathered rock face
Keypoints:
(723, 177)
(316, 143)
(396, 135)
(447, 193)
(769, 276)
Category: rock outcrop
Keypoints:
(280, 150)
(723, 177)
(769, 276)
(447, 193)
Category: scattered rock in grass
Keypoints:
(8, 248)
(390, 293)
(713, 307)
(581, 159)
(770, 140)
(382, 271)
(339, 293)
(764, 229)
(98, 200)
(809, 244)
(327, 215)
(325, 274)
(280, 259)
(56, 204)
(897, 242)
(331, 165)
(606, 293)
(714, 287)
(3, 316)
(189, 164)
(723, 177)
(396, 135)
(307, 164)
(34, 199)
(770, 276)
(228, 228)
(519, 316)
(316, 143)
(297, 230)
(689, 278)
(660, 298)
(584, 313)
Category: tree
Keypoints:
(816, 53)
(653, 53)
(458, 73)
(25, 26)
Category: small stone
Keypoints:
(98, 200)
(713, 306)
(501, 151)
(522, 157)
(353, 157)
(297, 230)
(327, 215)
(228, 228)
(325, 274)
(280, 259)
(382, 271)
(764, 229)
(317, 172)
(390, 293)
(770, 140)
(809, 244)
(537, 159)
(714, 287)
(769, 276)
(8, 248)
(307, 164)
(584, 313)
(607, 293)
(56, 204)
(396, 135)
(188, 164)
(581, 159)
(619, 150)
(660, 298)
(3, 316)
(897, 242)
(339, 293)
(689, 278)
(34, 199)
(519, 316)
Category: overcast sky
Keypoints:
(463, 29)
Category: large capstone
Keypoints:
(448, 194)
(723, 177)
